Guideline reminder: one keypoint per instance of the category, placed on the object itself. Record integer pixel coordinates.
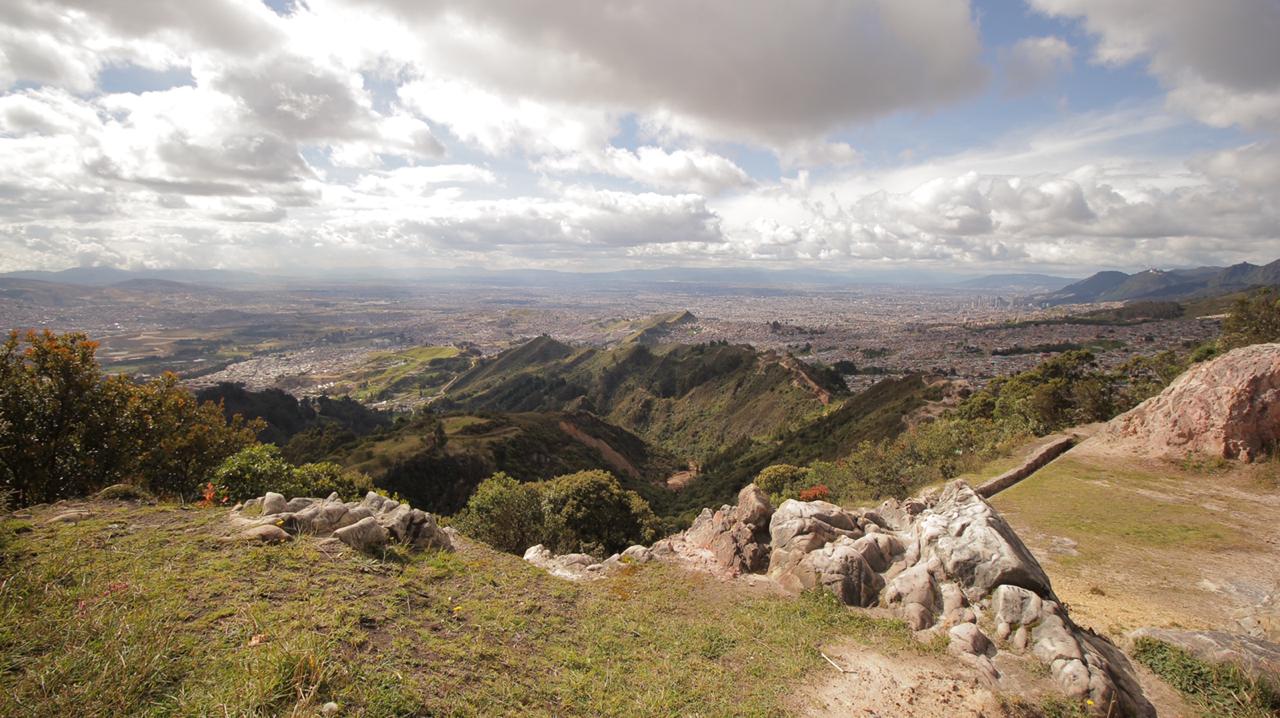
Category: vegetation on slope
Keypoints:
(436, 463)
(286, 416)
(417, 373)
(1219, 690)
(694, 399)
(143, 611)
(584, 512)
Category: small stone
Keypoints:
(267, 533)
(273, 503)
(329, 709)
(70, 517)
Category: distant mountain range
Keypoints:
(1157, 284)
(1044, 288)
(1017, 282)
(106, 276)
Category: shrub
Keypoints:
(1254, 319)
(820, 492)
(124, 492)
(253, 471)
(67, 430)
(503, 513)
(324, 478)
(590, 512)
(782, 480)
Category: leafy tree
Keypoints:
(57, 415)
(68, 430)
(503, 513)
(179, 441)
(1254, 319)
(590, 512)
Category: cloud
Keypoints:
(1033, 62)
(694, 170)
(68, 42)
(1220, 60)
(753, 70)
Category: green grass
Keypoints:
(391, 374)
(143, 611)
(1216, 689)
(1109, 509)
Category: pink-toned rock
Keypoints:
(1227, 407)
(736, 536)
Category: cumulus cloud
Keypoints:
(352, 131)
(1220, 60)
(754, 69)
(693, 170)
(1033, 62)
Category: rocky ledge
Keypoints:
(947, 563)
(366, 525)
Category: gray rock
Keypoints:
(637, 554)
(967, 638)
(273, 503)
(267, 533)
(839, 568)
(299, 503)
(975, 545)
(754, 508)
(364, 535)
(799, 527)
(916, 594)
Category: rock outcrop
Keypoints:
(1227, 407)
(581, 566)
(367, 525)
(736, 536)
(946, 562)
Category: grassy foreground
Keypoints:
(145, 611)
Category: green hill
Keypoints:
(877, 413)
(691, 399)
(530, 446)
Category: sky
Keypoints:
(1061, 136)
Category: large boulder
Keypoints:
(799, 527)
(736, 536)
(364, 535)
(1227, 407)
(941, 562)
(974, 545)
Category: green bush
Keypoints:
(324, 478)
(590, 512)
(124, 492)
(783, 481)
(253, 472)
(503, 513)
(1254, 319)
